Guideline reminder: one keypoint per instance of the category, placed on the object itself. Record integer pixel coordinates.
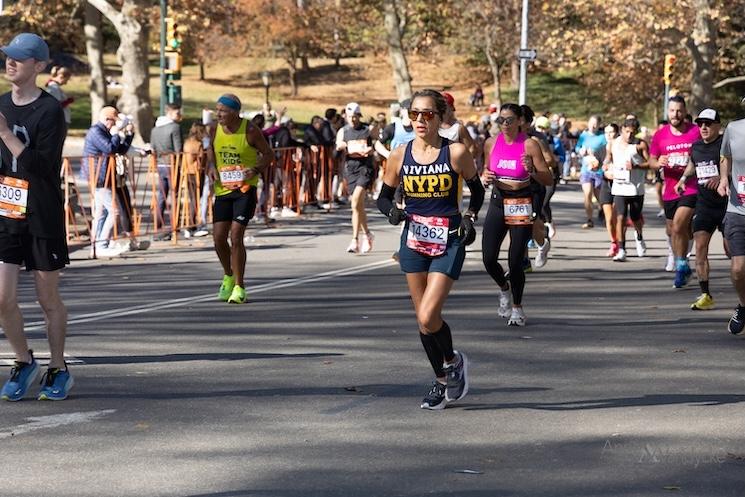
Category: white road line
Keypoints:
(167, 304)
(53, 421)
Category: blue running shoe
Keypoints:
(56, 384)
(681, 277)
(532, 244)
(22, 375)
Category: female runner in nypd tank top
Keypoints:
(512, 161)
(433, 242)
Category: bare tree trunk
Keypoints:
(304, 65)
(702, 45)
(132, 56)
(401, 75)
(201, 70)
(515, 72)
(94, 49)
(495, 67)
(291, 60)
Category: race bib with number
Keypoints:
(518, 211)
(621, 174)
(13, 197)
(428, 235)
(357, 147)
(705, 172)
(677, 160)
(232, 177)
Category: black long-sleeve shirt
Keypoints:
(40, 125)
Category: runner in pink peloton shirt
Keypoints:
(670, 151)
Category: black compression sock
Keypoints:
(433, 353)
(445, 341)
(622, 244)
(704, 286)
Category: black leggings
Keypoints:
(495, 229)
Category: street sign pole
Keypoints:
(163, 82)
(664, 101)
(523, 61)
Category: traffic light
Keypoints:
(669, 63)
(174, 62)
(173, 38)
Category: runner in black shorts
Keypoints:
(354, 139)
(32, 227)
(238, 156)
(435, 235)
(711, 207)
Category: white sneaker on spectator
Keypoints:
(202, 231)
(275, 213)
(113, 250)
(287, 212)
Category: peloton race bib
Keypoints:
(428, 235)
(677, 160)
(706, 171)
(518, 211)
(13, 197)
(232, 177)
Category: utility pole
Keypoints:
(523, 60)
(163, 82)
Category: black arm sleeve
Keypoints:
(385, 199)
(477, 194)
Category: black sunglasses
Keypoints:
(704, 123)
(428, 115)
(505, 120)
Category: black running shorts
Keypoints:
(708, 217)
(39, 254)
(672, 205)
(358, 175)
(235, 206)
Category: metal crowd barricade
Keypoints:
(297, 177)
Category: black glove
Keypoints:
(396, 215)
(466, 230)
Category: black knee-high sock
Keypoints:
(433, 353)
(445, 341)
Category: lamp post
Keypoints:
(266, 79)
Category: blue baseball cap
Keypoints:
(27, 46)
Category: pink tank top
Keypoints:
(506, 159)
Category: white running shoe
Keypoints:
(542, 257)
(551, 229)
(367, 243)
(505, 303)
(670, 266)
(353, 246)
(620, 256)
(517, 318)
(661, 213)
(641, 248)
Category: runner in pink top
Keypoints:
(506, 159)
(670, 151)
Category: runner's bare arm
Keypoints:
(724, 168)
(541, 172)
(340, 143)
(465, 139)
(380, 148)
(211, 160)
(487, 176)
(391, 180)
(643, 149)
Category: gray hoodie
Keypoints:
(165, 137)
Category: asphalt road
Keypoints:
(312, 389)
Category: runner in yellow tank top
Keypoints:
(238, 156)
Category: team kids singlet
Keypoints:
(430, 189)
(233, 154)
